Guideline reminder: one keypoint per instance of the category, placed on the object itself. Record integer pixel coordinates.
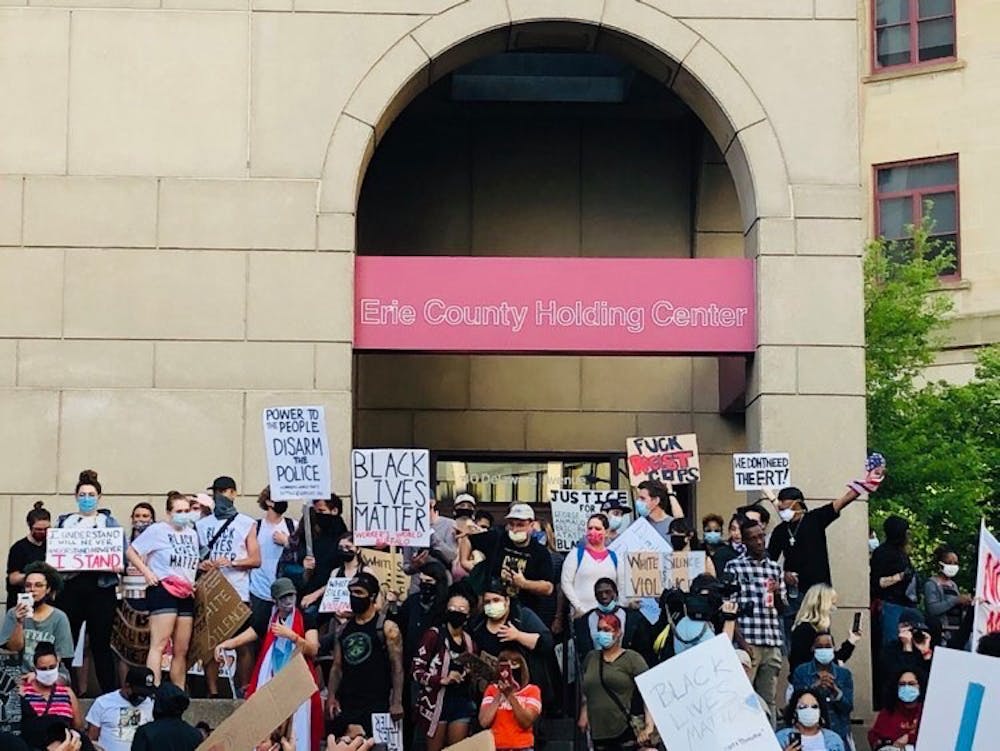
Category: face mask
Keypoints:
(427, 591)
(713, 537)
(604, 639)
(182, 519)
(595, 536)
(641, 509)
(286, 603)
(136, 699)
(347, 555)
(494, 610)
(609, 608)
(456, 618)
(786, 514)
(360, 605)
(463, 513)
(616, 522)
(280, 507)
(677, 542)
(518, 537)
(873, 543)
(538, 535)
(823, 655)
(86, 503)
(324, 521)
(808, 716)
(908, 694)
(949, 569)
(141, 526)
(47, 677)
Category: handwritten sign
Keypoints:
(388, 731)
(335, 596)
(298, 455)
(218, 615)
(483, 741)
(987, 614)
(680, 567)
(645, 575)
(387, 567)
(86, 549)
(756, 471)
(701, 700)
(391, 497)
(572, 508)
(10, 698)
(667, 458)
(963, 689)
(130, 634)
(638, 538)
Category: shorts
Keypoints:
(457, 708)
(159, 602)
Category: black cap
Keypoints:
(366, 581)
(614, 504)
(169, 701)
(221, 483)
(140, 680)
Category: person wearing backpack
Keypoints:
(589, 561)
(275, 534)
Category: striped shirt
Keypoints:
(60, 706)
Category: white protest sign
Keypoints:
(336, 595)
(298, 453)
(701, 700)
(572, 508)
(666, 458)
(86, 549)
(987, 614)
(391, 497)
(388, 731)
(756, 471)
(640, 537)
(960, 705)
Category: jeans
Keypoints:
(788, 620)
(765, 667)
(892, 616)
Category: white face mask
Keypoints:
(786, 514)
(517, 537)
(494, 610)
(808, 716)
(949, 569)
(47, 677)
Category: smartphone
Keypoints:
(795, 737)
(27, 599)
(503, 673)
(856, 628)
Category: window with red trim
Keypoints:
(902, 193)
(911, 32)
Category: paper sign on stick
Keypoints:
(218, 615)
(667, 458)
(298, 453)
(271, 705)
(756, 471)
(681, 567)
(572, 508)
(701, 700)
(86, 549)
(987, 613)
(391, 497)
(960, 703)
(645, 575)
(388, 731)
(335, 596)
(479, 742)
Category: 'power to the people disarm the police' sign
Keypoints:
(298, 453)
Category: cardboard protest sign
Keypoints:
(218, 614)
(388, 731)
(479, 742)
(701, 700)
(680, 567)
(335, 596)
(668, 458)
(271, 705)
(987, 613)
(960, 704)
(387, 567)
(10, 698)
(572, 508)
(298, 454)
(645, 575)
(756, 471)
(86, 549)
(130, 634)
(391, 497)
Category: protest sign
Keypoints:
(987, 613)
(218, 614)
(668, 458)
(130, 634)
(388, 731)
(10, 698)
(640, 535)
(701, 700)
(756, 471)
(391, 497)
(479, 742)
(957, 716)
(335, 596)
(645, 575)
(387, 567)
(298, 454)
(680, 567)
(86, 549)
(572, 508)
(270, 705)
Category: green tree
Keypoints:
(940, 440)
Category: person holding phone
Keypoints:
(814, 618)
(805, 725)
(833, 683)
(24, 626)
(27, 550)
(511, 704)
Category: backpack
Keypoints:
(288, 563)
(579, 556)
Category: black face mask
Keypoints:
(136, 699)
(456, 618)
(324, 521)
(677, 542)
(427, 591)
(280, 507)
(348, 555)
(360, 605)
(463, 513)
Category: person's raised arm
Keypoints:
(394, 642)
(524, 714)
(675, 505)
(850, 495)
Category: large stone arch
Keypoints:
(645, 36)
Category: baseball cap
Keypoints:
(205, 500)
(465, 498)
(140, 679)
(614, 504)
(222, 482)
(366, 581)
(521, 511)
(282, 587)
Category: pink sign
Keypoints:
(473, 304)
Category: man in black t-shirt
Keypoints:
(521, 562)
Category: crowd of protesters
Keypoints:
(496, 630)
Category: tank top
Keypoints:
(364, 666)
(59, 706)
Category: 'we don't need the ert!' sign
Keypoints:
(298, 455)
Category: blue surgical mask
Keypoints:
(539, 536)
(873, 543)
(616, 522)
(86, 503)
(908, 694)
(641, 509)
(609, 608)
(713, 538)
(604, 639)
(183, 519)
(823, 655)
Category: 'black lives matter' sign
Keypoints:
(390, 490)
